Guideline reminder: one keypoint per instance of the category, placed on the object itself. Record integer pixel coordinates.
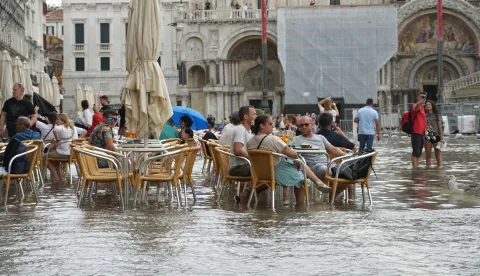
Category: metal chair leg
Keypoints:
(32, 186)
(193, 193)
(186, 198)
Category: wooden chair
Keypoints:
(216, 166)
(38, 163)
(191, 142)
(171, 141)
(264, 173)
(345, 161)
(223, 158)
(31, 153)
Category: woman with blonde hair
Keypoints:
(328, 106)
(63, 132)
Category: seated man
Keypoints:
(337, 140)
(241, 135)
(102, 135)
(168, 131)
(316, 162)
(227, 132)
(24, 132)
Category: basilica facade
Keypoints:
(218, 53)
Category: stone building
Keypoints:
(219, 51)
(211, 52)
(21, 34)
(54, 43)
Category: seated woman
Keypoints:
(186, 123)
(63, 132)
(46, 130)
(287, 172)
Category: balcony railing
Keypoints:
(104, 47)
(224, 15)
(15, 41)
(460, 83)
(79, 47)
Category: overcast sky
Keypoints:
(54, 2)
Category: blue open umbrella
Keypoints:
(199, 122)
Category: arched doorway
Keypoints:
(426, 77)
(196, 76)
(253, 81)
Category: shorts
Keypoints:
(417, 145)
(240, 170)
(319, 170)
(56, 155)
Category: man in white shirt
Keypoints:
(87, 115)
(227, 132)
(241, 135)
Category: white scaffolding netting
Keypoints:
(334, 51)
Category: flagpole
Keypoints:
(264, 104)
(441, 96)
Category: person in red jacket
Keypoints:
(97, 118)
(418, 128)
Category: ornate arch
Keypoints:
(183, 43)
(233, 38)
(428, 55)
(411, 9)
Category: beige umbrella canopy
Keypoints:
(45, 87)
(79, 97)
(146, 99)
(55, 92)
(28, 81)
(6, 80)
(88, 94)
(17, 71)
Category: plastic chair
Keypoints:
(264, 173)
(223, 158)
(31, 153)
(345, 161)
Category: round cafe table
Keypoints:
(127, 150)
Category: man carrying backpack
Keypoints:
(419, 121)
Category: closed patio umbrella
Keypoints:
(145, 96)
(6, 80)
(55, 92)
(17, 71)
(28, 81)
(44, 87)
(79, 97)
(88, 94)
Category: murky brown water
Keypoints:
(415, 227)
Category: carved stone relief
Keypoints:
(194, 47)
(213, 39)
(91, 6)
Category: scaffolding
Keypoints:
(334, 51)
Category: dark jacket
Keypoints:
(337, 140)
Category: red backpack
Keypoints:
(407, 122)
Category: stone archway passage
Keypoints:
(252, 79)
(196, 77)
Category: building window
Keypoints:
(104, 32)
(62, 29)
(126, 29)
(50, 30)
(79, 34)
(335, 2)
(179, 103)
(80, 64)
(105, 64)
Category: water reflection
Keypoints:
(416, 225)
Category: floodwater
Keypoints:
(416, 226)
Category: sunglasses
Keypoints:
(112, 119)
(304, 125)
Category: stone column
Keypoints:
(389, 74)
(239, 100)
(275, 105)
(389, 101)
(232, 73)
(207, 103)
(225, 104)
(245, 98)
(226, 72)
(184, 101)
(381, 101)
(220, 67)
(237, 73)
(220, 106)
(405, 101)
(211, 73)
